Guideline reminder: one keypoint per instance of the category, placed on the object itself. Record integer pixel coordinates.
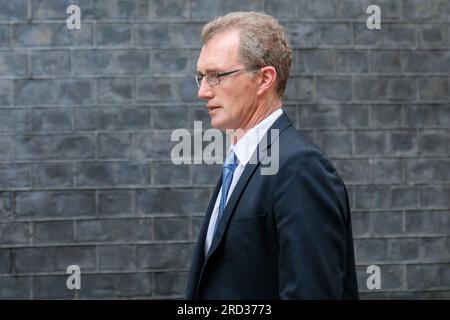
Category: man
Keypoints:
(266, 236)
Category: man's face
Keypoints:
(232, 102)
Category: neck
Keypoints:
(262, 112)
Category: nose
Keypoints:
(205, 91)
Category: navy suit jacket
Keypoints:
(282, 236)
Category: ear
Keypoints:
(267, 79)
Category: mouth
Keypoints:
(212, 108)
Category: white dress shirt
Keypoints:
(243, 150)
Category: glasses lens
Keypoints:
(198, 79)
(213, 79)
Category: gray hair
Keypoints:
(263, 42)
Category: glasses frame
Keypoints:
(199, 77)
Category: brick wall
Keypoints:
(86, 118)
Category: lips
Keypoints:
(210, 108)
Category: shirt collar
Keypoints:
(245, 147)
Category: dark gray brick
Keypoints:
(434, 10)
(170, 283)
(427, 276)
(114, 230)
(403, 143)
(387, 171)
(5, 205)
(170, 118)
(427, 116)
(50, 259)
(386, 116)
(168, 9)
(426, 61)
(302, 35)
(388, 223)
(116, 285)
(300, 89)
(433, 35)
(51, 120)
(434, 249)
(98, 174)
(437, 196)
(5, 147)
(155, 89)
(170, 62)
(115, 202)
(196, 225)
(345, 8)
(5, 257)
(171, 229)
(205, 174)
(120, 257)
(13, 120)
(50, 34)
(53, 147)
(175, 200)
(14, 175)
(113, 34)
(385, 61)
(110, 62)
(15, 288)
(14, 10)
(13, 233)
(186, 89)
(53, 175)
(384, 197)
(403, 249)
(112, 9)
(386, 89)
(114, 146)
(335, 143)
(370, 142)
(4, 35)
(53, 287)
(203, 9)
(428, 169)
(154, 146)
(65, 91)
(391, 35)
(169, 35)
(334, 89)
(354, 116)
(163, 256)
(40, 204)
(371, 250)
(114, 90)
(13, 64)
(335, 34)
(320, 116)
(434, 142)
(434, 89)
(5, 92)
(427, 222)
(112, 118)
(53, 232)
(334, 61)
(169, 174)
(281, 8)
(361, 224)
(50, 63)
(354, 171)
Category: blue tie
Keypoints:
(227, 176)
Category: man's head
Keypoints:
(245, 62)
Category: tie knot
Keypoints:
(231, 161)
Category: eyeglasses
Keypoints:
(213, 78)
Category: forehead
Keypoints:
(220, 52)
